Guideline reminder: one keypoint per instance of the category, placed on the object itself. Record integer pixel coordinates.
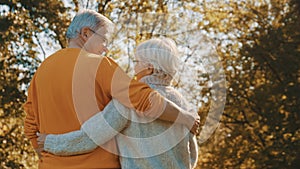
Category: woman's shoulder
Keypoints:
(175, 96)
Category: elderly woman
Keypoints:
(143, 142)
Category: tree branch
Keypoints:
(39, 43)
(87, 4)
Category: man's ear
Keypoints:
(85, 33)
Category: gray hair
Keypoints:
(162, 53)
(87, 18)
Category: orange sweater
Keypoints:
(69, 87)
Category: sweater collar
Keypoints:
(155, 80)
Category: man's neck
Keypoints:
(75, 43)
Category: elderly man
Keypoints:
(75, 83)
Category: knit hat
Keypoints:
(162, 53)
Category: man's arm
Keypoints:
(173, 113)
(141, 97)
(94, 132)
(30, 123)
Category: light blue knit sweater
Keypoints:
(142, 142)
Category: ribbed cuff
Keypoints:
(49, 142)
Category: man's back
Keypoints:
(54, 93)
(54, 112)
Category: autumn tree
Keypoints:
(22, 23)
(257, 48)
(260, 123)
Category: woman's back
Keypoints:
(157, 144)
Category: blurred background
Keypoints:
(256, 48)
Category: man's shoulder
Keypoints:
(109, 60)
(65, 52)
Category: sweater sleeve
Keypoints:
(193, 150)
(94, 132)
(104, 126)
(131, 93)
(31, 123)
(73, 143)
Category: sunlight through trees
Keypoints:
(257, 41)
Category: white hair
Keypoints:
(87, 18)
(162, 53)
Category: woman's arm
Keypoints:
(94, 132)
(73, 143)
(193, 150)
